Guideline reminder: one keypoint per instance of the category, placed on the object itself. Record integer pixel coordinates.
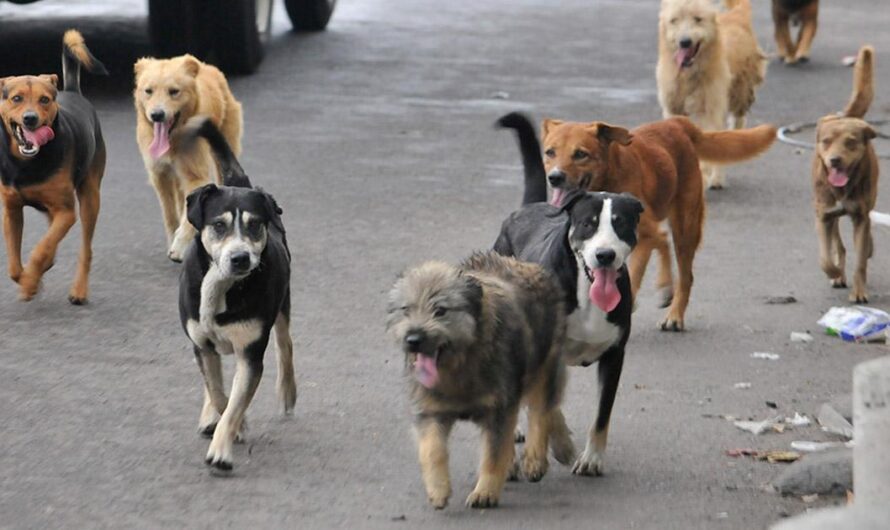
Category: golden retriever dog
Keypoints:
(709, 66)
(169, 92)
(845, 181)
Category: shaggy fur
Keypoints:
(845, 181)
(493, 328)
(721, 76)
(785, 12)
(175, 90)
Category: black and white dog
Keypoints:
(585, 243)
(233, 293)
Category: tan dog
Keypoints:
(169, 92)
(845, 181)
(709, 66)
(659, 164)
(807, 13)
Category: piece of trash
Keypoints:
(735, 453)
(757, 427)
(810, 498)
(500, 95)
(398, 518)
(879, 218)
(814, 447)
(722, 515)
(781, 300)
(765, 355)
(855, 323)
(799, 420)
(832, 421)
(849, 60)
(743, 385)
(801, 336)
(774, 457)
(772, 404)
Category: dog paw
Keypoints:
(563, 449)
(858, 297)
(515, 472)
(483, 499)
(838, 283)
(178, 247)
(671, 324)
(534, 465)
(439, 499)
(28, 287)
(207, 431)
(716, 186)
(589, 464)
(667, 296)
(219, 458)
(15, 273)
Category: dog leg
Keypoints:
(248, 371)
(840, 253)
(739, 122)
(639, 259)
(862, 244)
(561, 444)
(185, 232)
(44, 254)
(89, 199)
(784, 47)
(215, 399)
(590, 463)
(13, 222)
(286, 383)
(432, 451)
(809, 16)
(165, 186)
(534, 454)
(497, 457)
(686, 229)
(665, 283)
(827, 241)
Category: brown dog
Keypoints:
(845, 181)
(659, 164)
(52, 158)
(784, 13)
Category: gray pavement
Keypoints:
(376, 139)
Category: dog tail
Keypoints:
(741, 4)
(530, 148)
(230, 170)
(724, 147)
(863, 84)
(74, 55)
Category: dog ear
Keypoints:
(473, 294)
(192, 66)
(52, 79)
(868, 133)
(194, 204)
(547, 124)
(273, 211)
(610, 133)
(635, 203)
(140, 66)
(3, 92)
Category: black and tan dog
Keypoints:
(845, 181)
(52, 158)
(785, 12)
(480, 339)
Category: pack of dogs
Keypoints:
(490, 336)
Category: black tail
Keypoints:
(74, 55)
(530, 148)
(230, 170)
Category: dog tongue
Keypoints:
(604, 291)
(683, 55)
(40, 137)
(425, 371)
(161, 142)
(556, 198)
(838, 178)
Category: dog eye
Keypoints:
(17, 99)
(149, 91)
(851, 144)
(579, 155)
(697, 20)
(440, 312)
(550, 153)
(44, 100)
(173, 92)
(674, 20)
(219, 227)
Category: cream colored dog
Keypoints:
(709, 66)
(169, 92)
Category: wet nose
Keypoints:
(414, 340)
(240, 261)
(605, 256)
(158, 115)
(685, 42)
(556, 178)
(835, 161)
(30, 120)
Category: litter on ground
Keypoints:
(765, 355)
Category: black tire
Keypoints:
(310, 15)
(177, 27)
(238, 41)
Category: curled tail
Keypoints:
(74, 55)
(530, 148)
(231, 172)
(863, 84)
(724, 147)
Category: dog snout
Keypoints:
(836, 162)
(604, 256)
(686, 42)
(414, 340)
(158, 115)
(240, 262)
(30, 119)
(556, 178)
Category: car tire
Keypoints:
(240, 36)
(173, 27)
(309, 15)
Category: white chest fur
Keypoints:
(205, 332)
(588, 333)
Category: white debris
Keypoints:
(743, 385)
(801, 336)
(799, 420)
(815, 447)
(500, 95)
(849, 60)
(765, 355)
(757, 427)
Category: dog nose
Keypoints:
(605, 256)
(556, 178)
(158, 115)
(240, 261)
(414, 340)
(30, 120)
(835, 161)
(685, 42)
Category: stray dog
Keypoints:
(233, 293)
(585, 244)
(709, 66)
(658, 163)
(52, 152)
(805, 12)
(845, 181)
(169, 92)
(479, 340)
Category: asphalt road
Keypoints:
(376, 139)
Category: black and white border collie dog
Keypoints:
(586, 243)
(234, 293)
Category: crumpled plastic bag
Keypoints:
(856, 323)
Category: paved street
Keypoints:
(375, 137)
